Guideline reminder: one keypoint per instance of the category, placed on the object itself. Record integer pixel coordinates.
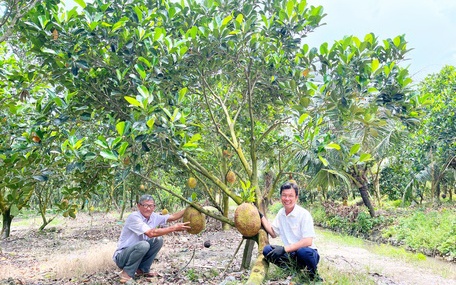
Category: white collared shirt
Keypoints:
(295, 226)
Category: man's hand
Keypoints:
(182, 226)
(276, 253)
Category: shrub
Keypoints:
(346, 219)
(429, 231)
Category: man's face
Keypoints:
(146, 208)
(289, 199)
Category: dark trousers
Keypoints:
(304, 258)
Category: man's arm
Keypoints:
(267, 226)
(163, 231)
(176, 216)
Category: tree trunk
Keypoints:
(247, 256)
(124, 199)
(226, 210)
(6, 228)
(261, 266)
(366, 200)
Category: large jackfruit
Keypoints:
(247, 219)
(197, 220)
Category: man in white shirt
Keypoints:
(140, 239)
(294, 225)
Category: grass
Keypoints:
(330, 274)
(73, 264)
(77, 264)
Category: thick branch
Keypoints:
(195, 165)
(207, 211)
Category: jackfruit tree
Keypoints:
(224, 91)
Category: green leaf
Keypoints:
(176, 115)
(132, 101)
(365, 157)
(332, 145)
(138, 13)
(43, 21)
(120, 127)
(143, 91)
(140, 69)
(182, 93)
(145, 61)
(375, 65)
(195, 137)
(167, 112)
(290, 6)
(108, 154)
(101, 141)
(119, 75)
(150, 123)
(122, 148)
(354, 149)
(118, 25)
(227, 20)
(302, 118)
(81, 3)
(397, 41)
(48, 50)
(141, 32)
(239, 18)
(323, 160)
(158, 34)
(78, 144)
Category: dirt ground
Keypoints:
(79, 252)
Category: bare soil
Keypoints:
(79, 252)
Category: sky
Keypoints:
(429, 27)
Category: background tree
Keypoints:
(363, 95)
(434, 140)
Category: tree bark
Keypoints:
(6, 228)
(247, 256)
(261, 266)
(366, 200)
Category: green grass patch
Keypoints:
(427, 231)
(341, 238)
(330, 274)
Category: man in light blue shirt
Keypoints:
(140, 239)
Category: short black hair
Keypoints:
(289, 185)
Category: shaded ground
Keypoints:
(79, 252)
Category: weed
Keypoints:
(192, 275)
